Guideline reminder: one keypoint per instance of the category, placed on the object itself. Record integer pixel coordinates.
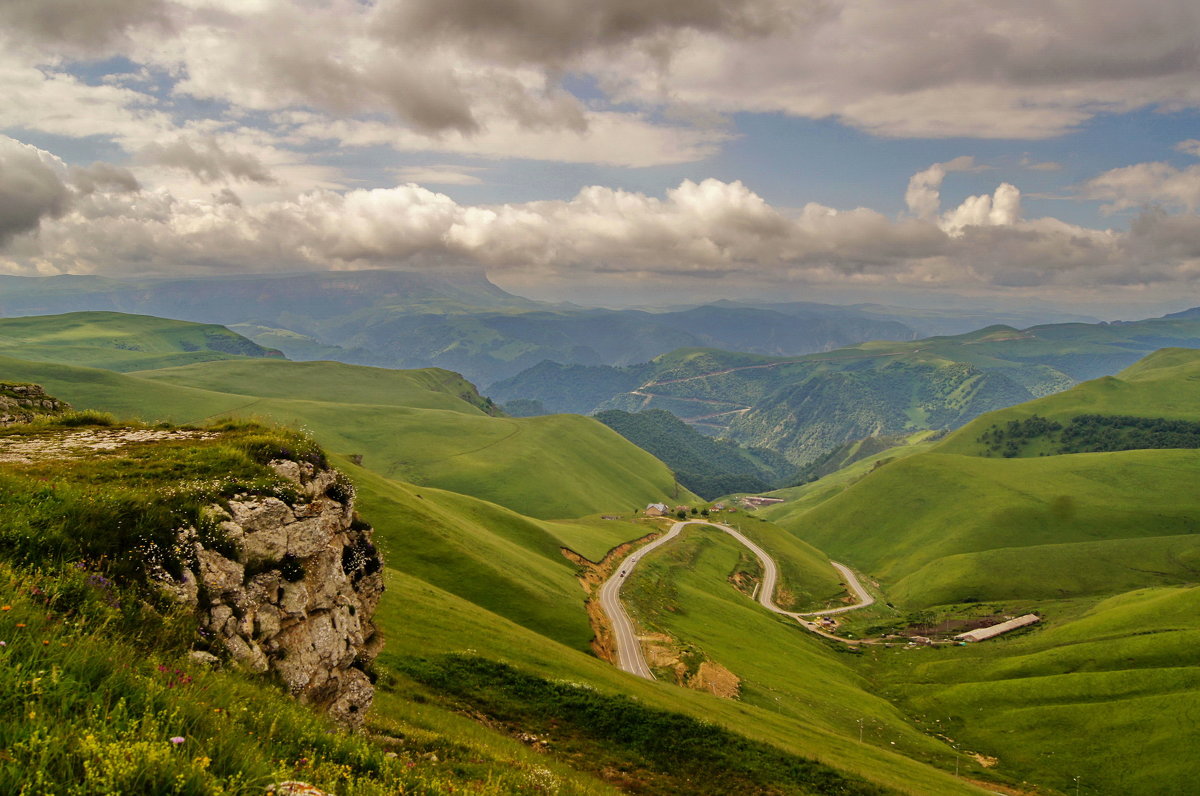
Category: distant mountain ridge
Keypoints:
(805, 406)
(456, 318)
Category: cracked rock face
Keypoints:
(292, 590)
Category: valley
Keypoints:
(737, 619)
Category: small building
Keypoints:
(657, 510)
(984, 633)
(718, 507)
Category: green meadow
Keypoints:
(1107, 691)
(427, 428)
(116, 341)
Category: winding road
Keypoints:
(629, 650)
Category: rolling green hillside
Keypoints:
(332, 382)
(1101, 700)
(551, 467)
(1162, 385)
(119, 342)
(1105, 546)
(119, 679)
(781, 668)
(934, 526)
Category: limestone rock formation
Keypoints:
(21, 403)
(289, 588)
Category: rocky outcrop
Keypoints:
(21, 403)
(289, 587)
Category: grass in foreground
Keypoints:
(96, 697)
(642, 748)
(1107, 691)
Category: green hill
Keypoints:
(1104, 545)
(1159, 387)
(934, 527)
(420, 426)
(120, 342)
(1099, 700)
(954, 524)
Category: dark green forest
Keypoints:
(709, 467)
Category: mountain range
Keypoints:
(457, 319)
(806, 406)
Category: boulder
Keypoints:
(298, 596)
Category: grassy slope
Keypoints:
(484, 553)
(1115, 533)
(116, 341)
(492, 534)
(985, 528)
(423, 620)
(968, 505)
(1163, 384)
(429, 388)
(799, 499)
(784, 671)
(1109, 694)
(558, 466)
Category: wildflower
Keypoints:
(5, 607)
(20, 624)
(45, 643)
(3, 643)
(178, 739)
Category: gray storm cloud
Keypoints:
(207, 160)
(103, 176)
(31, 188)
(84, 26)
(555, 32)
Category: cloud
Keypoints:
(207, 160)
(31, 188)
(556, 33)
(99, 219)
(103, 176)
(1143, 184)
(1190, 146)
(609, 138)
(80, 26)
(1047, 165)
(440, 174)
(923, 196)
(1029, 69)
(1001, 209)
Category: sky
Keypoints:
(923, 152)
